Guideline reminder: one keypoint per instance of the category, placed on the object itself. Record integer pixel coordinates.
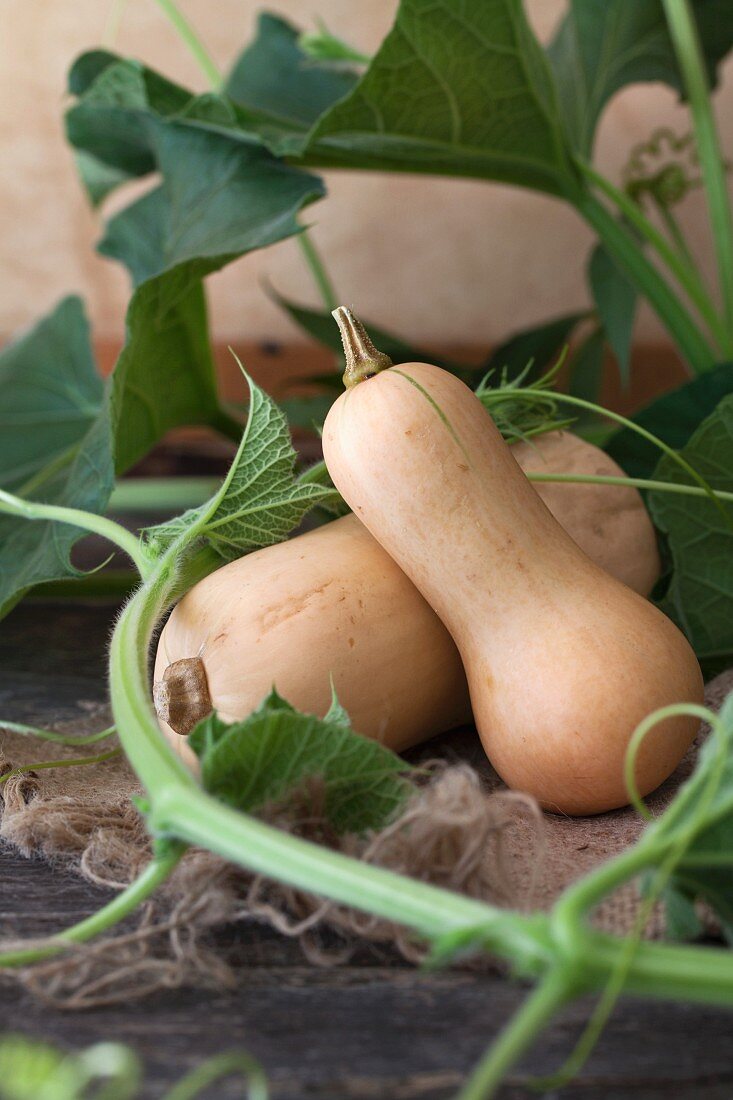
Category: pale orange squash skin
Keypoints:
(330, 603)
(562, 659)
(333, 602)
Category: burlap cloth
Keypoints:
(461, 830)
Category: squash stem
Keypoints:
(362, 358)
(538, 1009)
(125, 903)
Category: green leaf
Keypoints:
(700, 540)
(586, 370)
(455, 89)
(324, 46)
(51, 395)
(31, 553)
(220, 199)
(699, 825)
(539, 345)
(284, 89)
(672, 418)
(260, 500)
(55, 445)
(164, 376)
(600, 48)
(615, 300)
(99, 179)
(270, 756)
(307, 412)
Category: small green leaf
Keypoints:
(615, 300)
(539, 345)
(700, 593)
(284, 88)
(681, 921)
(260, 500)
(322, 45)
(269, 756)
(672, 418)
(586, 369)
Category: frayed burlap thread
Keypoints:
(460, 830)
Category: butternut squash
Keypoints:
(562, 659)
(333, 603)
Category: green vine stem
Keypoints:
(590, 406)
(162, 494)
(211, 72)
(684, 34)
(44, 765)
(87, 521)
(125, 903)
(72, 740)
(318, 270)
(538, 1009)
(633, 482)
(687, 274)
(677, 236)
(188, 35)
(222, 1065)
(691, 341)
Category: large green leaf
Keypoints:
(284, 89)
(270, 756)
(50, 394)
(456, 89)
(672, 418)
(615, 300)
(34, 552)
(603, 45)
(260, 500)
(220, 198)
(55, 445)
(165, 373)
(700, 539)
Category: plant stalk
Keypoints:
(695, 349)
(632, 482)
(86, 521)
(162, 494)
(188, 35)
(539, 1007)
(683, 270)
(318, 271)
(116, 910)
(686, 40)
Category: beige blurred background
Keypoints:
(459, 262)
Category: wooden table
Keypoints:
(373, 1029)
